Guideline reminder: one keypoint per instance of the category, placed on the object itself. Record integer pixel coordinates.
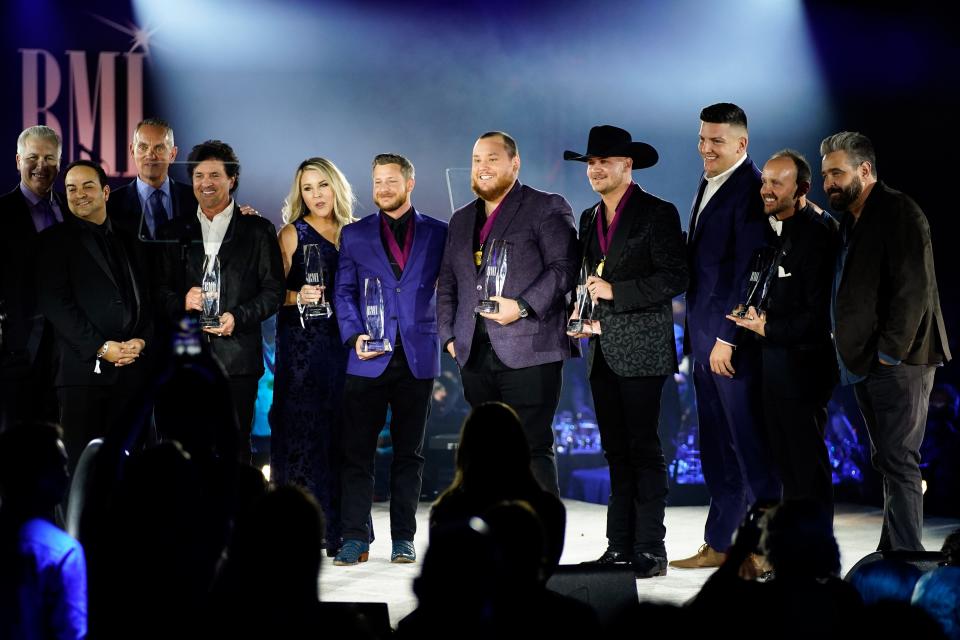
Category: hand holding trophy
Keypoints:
(373, 317)
(314, 275)
(210, 288)
(494, 275)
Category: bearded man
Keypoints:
(514, 354)
(887, 325)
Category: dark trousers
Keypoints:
(244, 391)
(894, 402)
(533, 392)
(736, 465)
(89, 412)
(26, 388)
(628, 412)
(365, 402)
(794, 428)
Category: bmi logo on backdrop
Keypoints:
(58, 91)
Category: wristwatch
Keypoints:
(524, 309)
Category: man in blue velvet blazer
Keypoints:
(402, 248)
(726, 227)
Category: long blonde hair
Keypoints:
(343, 198)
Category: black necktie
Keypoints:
(159, 211)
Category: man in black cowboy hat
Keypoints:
(632, 245)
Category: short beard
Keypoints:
(841, 199)
(397, 203)
(494, 191)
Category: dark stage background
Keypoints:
(284, 80)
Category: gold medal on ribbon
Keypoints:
(600, 266)
(477, 257)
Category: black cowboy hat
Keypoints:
(606, 141)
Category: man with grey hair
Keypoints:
(26, 346)
(153, 198)
(887, 325)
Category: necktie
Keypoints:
(159, 211)
(47, 217)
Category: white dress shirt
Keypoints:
(214, 230)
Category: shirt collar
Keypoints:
(221, 218)
(395, 223)
(720, 178)
(33, 198)
(145, 190)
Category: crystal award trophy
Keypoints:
(210, 288)
(762, 267)
(314, 275)
(584, 306)
(494, 273)
(373, 317)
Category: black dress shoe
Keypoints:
(611, 557)
(648, 565)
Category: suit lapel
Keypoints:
(622, 232)
(511, 207)
(90, 244)
(419, 246)
(694, 223)
(375, 246)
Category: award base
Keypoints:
(575, 326)
(739, 311)
(376, 346)
(487, 306)
(319, 310)
(209, 322)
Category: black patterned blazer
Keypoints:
(646, 267)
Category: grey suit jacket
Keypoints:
(646, 267)
(542, 266)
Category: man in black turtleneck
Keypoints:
(793, 324)
(89, 286)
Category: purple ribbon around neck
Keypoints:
(606, 239)
(401, 256)
(488, 225)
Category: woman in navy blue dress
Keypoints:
(305, 419)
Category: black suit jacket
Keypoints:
(251, 283)
(798, 355)
(125, 210)
(887, 300)
(25, 326)
(79, 295)
(646, 267)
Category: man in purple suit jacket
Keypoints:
(516, 354)
(401, 247)
(726, 227)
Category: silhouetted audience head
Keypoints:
(798, 541)
(277, 542)
(938, 593)
(518, 535)
(885, 580)
(951, 548)
(33, 468)
(492, 447)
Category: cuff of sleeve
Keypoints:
(523, 304)
(447, 343)
(888, 359)
(352, 341)
(726, 343)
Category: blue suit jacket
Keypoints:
(410, 303)
(728, 231)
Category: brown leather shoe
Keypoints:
(706, 557)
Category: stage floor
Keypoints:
(857, 529)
